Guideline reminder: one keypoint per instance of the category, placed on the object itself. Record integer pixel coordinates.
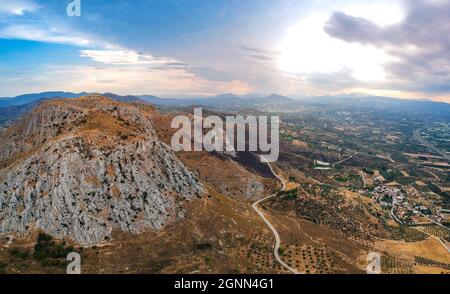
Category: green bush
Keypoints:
(19, 253)
(290, 195)
(50, 253)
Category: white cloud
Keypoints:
(130, 72)
(17, 7)
(308, 50)
(42, 34)
(124, 57)
(129, 80)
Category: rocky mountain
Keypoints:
(81, 168)
(10, 113)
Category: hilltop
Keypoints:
(79, 168)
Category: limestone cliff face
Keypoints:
(83, 167)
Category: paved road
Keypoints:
(271, 227)
(345, 159)
(422, 141)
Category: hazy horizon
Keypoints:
(243, 96)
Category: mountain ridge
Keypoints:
(267, 104)
(31, 97)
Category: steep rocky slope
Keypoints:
(79, 168)
(240, 175)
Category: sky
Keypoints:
(181, 48)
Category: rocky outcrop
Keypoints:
(83, 167)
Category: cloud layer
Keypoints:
(289, 47)
(420, 44)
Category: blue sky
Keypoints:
(206, 47)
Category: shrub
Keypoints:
(49, 252)
(19, 253)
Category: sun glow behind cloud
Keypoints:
(308, 49)
(381, 13)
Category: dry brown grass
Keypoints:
(300, 144)
(430, 248)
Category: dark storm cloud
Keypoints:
(420, 43)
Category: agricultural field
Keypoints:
(260, 253)
(404, 233)
(309, 259)
(392, 265)
(435, 230)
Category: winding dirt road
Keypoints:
(271, 227)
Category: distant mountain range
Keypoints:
(379, 103)
(219, 100)
(273, 102)
(29, 98)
